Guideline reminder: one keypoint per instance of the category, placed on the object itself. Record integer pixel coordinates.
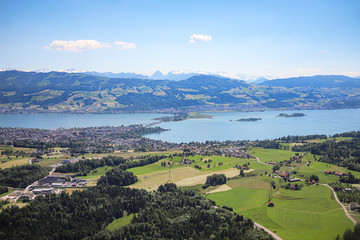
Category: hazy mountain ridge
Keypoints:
(78, 92)
(318, 81)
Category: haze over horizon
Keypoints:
(260, 38)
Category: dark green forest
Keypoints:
(22, 176)
(341, 153)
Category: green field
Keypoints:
(8, 192)
(227, 162)
(155, 167)
(307, 214)
(269, 155)
(120, 222)
(97, 173)
(326, 166)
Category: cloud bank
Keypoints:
(200, 38)
(76, 46)
(124, 45)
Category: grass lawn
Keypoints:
(5, 206)
(96, 173)
(269, 155)
(71, 190)
(151, 181)
(8, 192)
(14, 162)
(155, 167)
(326, 166)
(120, 222)
(307, 214)
(227, 162)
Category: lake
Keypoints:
(221, 128)
(218, 128)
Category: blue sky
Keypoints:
(276, 38)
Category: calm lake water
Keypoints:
(218, 128)
(221, 128)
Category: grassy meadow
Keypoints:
(310, 213)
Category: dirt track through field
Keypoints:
(221, 188)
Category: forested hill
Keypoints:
(76, 92)
(319, 81)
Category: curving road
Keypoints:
(274, 235)
(336, 198)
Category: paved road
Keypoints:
(274, 235)
(345, 210)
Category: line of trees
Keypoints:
(340, 153)
(83, 167)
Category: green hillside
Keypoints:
(76, 92)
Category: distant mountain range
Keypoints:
(173, 76)
(79, 92)
(319, 81)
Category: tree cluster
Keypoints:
(83, 167)
(340, 153)
(346, 196)
(215, 179)
(118, 177)
(22, 176)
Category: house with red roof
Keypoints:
(284, 174)
(339, 174)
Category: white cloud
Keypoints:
(76, 46)
(124, 45)
(323, 51)
(200, 38)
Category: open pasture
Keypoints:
(310, 213)
(269, 155)
(14, 162)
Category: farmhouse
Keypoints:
(284, 175)
(339, 174)
(271, 204)
(327, 172)
(245, 167)
(354, 206)
(347, 189)
(294, 179)
(272, 163)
